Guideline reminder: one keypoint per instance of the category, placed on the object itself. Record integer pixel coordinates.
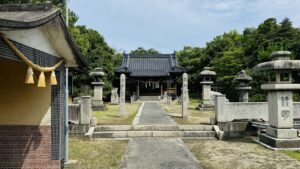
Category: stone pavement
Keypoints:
(157, 153)
(154, 114)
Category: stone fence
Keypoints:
(81, 113)
(229, 111)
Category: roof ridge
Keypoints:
(26, 7)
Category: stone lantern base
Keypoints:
(280, 138)
(98, 105)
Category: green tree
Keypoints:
(142, 51)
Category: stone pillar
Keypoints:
(122, 95)
(98, 93)
(206, 93)
(138, 90)
(85, 110)
(161, 91)
(169, 99)
(220, 104)
(244, 96)
(185, 96)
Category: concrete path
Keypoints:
(154, 114)
(158, 153)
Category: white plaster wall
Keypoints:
(34, 38)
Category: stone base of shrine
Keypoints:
(275, 143)
(98, 105)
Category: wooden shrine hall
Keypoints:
(148, 77)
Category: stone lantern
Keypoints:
(280, 132)
(207, 75)
(98, 83)
(243, 87)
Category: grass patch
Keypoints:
(293, 154)
(100, 154)
(241, 153)
(195, 116)
(112, 114)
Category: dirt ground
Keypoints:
(195, 116)
(239, 154)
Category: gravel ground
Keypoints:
(238, 154)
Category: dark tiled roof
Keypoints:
(156, 65)
(27, 16)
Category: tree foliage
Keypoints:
(233, 51)
(141, 50)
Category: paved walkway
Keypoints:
(157, 153)
(154, 114)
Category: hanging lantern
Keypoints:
(53, 80)
(29, 77)
(42, 80)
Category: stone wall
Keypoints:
(229, 111)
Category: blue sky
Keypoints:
(169, 25)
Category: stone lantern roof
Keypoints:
(242, 76)
(207, 72)
(282, 67)
(207, 75)
(97, 75)
(281, 61)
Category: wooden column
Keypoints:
(138, 90)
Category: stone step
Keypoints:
(195, 127)
(149, 98)
(153, 128)
(133, 134)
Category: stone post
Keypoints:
(114, 98)
(122, 95)
(85, 110)
(98, 83)
(185, 95)
(220, 108)
(280, 133)
(138, 91)
(243, 86)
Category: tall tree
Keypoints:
(141, 50)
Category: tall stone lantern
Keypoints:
(206, 83)
(243, 87)
(98, 83)
(280, 133)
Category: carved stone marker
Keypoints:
(122, 95)
(85, 110)
(185, 96)
(114, 98)
(280, 133)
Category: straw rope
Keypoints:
(27, 61)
